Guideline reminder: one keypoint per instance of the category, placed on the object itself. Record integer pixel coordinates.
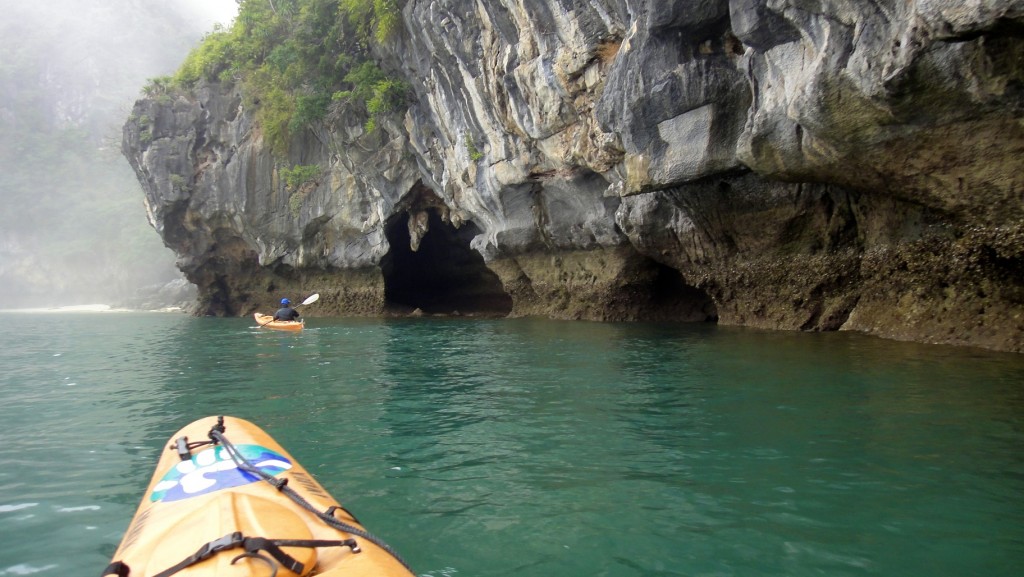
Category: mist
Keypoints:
(73, 227)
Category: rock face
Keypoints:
(784, 164)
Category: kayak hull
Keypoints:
(268, 322)
(206, 497)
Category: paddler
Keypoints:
(286, 312)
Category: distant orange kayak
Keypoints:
(267, 321)
(227, 500)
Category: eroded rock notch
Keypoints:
(431, 266)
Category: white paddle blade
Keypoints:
(311, 299)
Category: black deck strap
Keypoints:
(270, 562)
(184, 447)
(181, 444)
(116, 568)
(229, 541)
(253, 546)
(350, 543)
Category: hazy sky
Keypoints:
(219, 11)
(69, 73)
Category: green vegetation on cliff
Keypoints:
(298, 58)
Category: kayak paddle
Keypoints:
(309, 300)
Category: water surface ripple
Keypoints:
(537, 448)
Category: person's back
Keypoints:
(286, 312)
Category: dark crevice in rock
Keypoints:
(444, 275)
(670, 298)
(1000, 27)
(660, 293)
(670, 293)
(219, 301)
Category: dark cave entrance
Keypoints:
(444, 276)
(668, 297)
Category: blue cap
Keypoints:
(286, 302)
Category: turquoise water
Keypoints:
(536, 448)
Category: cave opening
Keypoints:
(444, 276)
(670, 298)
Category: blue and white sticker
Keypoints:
(213, 470)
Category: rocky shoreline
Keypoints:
(782, 165)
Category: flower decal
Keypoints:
(213, 470)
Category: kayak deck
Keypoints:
(227, 500)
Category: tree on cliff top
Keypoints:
(295, 57)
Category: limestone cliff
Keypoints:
(785, 164)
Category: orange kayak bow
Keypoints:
(227, 500)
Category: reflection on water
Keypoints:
(529, 447)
